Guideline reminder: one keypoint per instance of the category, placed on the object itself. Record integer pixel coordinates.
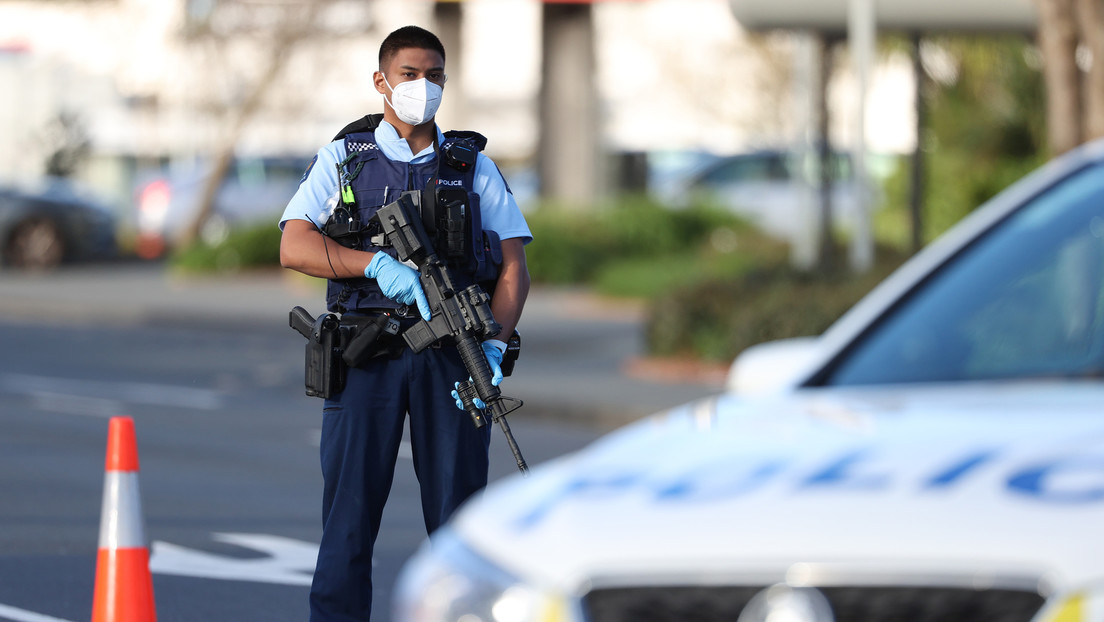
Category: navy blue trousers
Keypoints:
(361, 431)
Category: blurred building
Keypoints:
(154, 81)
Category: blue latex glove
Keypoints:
(399, 282)
(493, 349)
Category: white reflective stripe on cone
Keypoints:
(121, 516)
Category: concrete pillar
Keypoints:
(568, 154)
(804, 247)
(826, 244)
(916, 190)
(861, 38)
(447, 19)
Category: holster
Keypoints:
(334, 345)
(325, 370)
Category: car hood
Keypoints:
(999, 483)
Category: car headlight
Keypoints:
(1079, 606)
(445, 581)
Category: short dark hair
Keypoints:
(408, 37)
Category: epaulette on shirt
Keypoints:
(367, 123)
(477, 140)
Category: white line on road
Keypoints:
(76, 405)
(286, 561)
(20, 615)
(129, 392)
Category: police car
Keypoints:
(938, 454)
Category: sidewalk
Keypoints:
(581, 356)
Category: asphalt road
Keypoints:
(582, 356)
(230, 484)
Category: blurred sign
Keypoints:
(560, 1)
(908, 15)
(14, 48)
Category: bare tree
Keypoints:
(275, 28)
(68, 144)
(1090, 21)
(1071, 37)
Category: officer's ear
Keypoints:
(381, 86)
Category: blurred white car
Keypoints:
(254, 191)
(769, 190)
(938, 454)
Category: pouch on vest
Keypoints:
(491, 263)
(454, 223)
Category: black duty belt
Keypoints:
(375, 333)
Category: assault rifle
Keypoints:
(460, 315)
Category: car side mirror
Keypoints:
(771, 367)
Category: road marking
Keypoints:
(288, 561)
(76, 405)
(21, 615)
(46, 387)
(406, 452)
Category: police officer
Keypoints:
(362, 426)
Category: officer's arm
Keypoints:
(512, 288)
(304, 249)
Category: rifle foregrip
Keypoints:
(468, 394)
(471, 353)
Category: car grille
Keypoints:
(849, 604)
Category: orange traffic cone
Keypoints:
(124, 586)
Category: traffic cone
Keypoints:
(124, 586)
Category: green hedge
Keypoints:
(637, 248)
(717, 319)
(243, 248)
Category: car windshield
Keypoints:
(254, 172)
(747, 169)
(1024, 300)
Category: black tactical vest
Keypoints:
(375, 181)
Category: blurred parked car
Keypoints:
(255, 191)
(937, 454)
(768, 189)
(44, 225)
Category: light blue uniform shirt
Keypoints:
(318, 193)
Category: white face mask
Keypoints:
(414, 102)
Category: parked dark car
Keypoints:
(51, 223)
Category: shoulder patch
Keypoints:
(503, 177)
(310, 166)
